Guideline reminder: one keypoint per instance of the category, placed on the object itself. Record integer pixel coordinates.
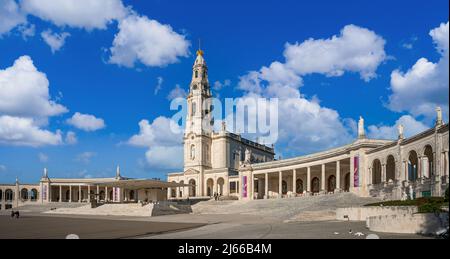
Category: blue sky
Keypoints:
(89, 72)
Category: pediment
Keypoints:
(191, 171)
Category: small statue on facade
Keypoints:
(248, 156)
(400, 131)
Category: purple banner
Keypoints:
(244, 186)
(356, 171)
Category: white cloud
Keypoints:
(85, 14)
(304, 125)
(10, 16)
(71, 138)
(411, 127)
(177, 92)
(54, 40)
(86, 122)
(147, 41)
(158, 87)
(163, 138)
(217, 86)
(426, 84)
(43, 158)
(25, 106)
(24, 132)
(27, 30)
(85, 157)
(3, 168)
(24, 91)
(356, 49)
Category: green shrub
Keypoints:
(446, 195)
(432, 207)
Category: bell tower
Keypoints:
(199, 123)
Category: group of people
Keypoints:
(15, 214)
(217, 196)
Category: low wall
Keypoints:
(362, 213)
(427, 223)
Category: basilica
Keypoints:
(229, 165)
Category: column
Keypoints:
(383, 173)
(280, 184)
(352, 173)
(308, 180)
(79, 193)
(60, 193)
(338, 175)
(106, 194)
(446, 163)
(89, 193)
(252, 186)
(98, 193)
(322, 181)
(294, 181)
(70, 193)
(370, 175)
(266, 186)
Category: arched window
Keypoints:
(192, 188)
(390, 168)
(24, 194)
(412, 166)
(284, 187)
(9, 195)
(428, 162)
(194, 108)
(299, 186)
(192, 152)
(196, 74)
(376, 172)
(1, 195)
(331, 183)
(315, 184)
(34, 194)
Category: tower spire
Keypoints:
(200, 51)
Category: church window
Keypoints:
(193, 152)
(196, 74)
(194, 108)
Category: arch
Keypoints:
(111, 195)
(194, 108)
(315, 185)
(390, 168)
(173, 191)
(412, 165)
(220, 185)
(181, 189)
(102, 195)
(131, 195)
(9, 195)
(347, 182)
(428, 161)
(299, 186)
(68, 196)
(1, 195)
(192, 152)
(284, 187)
(33, 195)
(331, 183)
(196, 73)
(376, 171)
(24, 194)
(192, 188)
(209, 187)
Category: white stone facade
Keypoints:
(392, 169)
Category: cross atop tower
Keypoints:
(200, 51)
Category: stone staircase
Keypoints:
(132, 209)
